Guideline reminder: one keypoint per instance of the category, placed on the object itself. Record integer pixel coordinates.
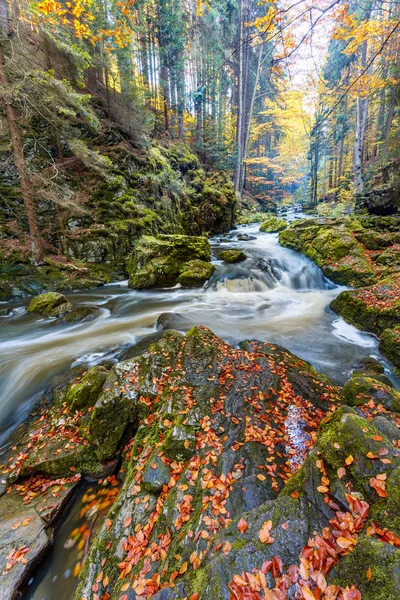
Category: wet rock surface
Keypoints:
(232, 256)
(27, 515)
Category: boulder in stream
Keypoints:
(216, 446)
(159, 261)
(195, 273)
(52, 304)
(232, 256)
(273, 225)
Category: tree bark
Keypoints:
(239, 123)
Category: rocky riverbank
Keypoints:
(362, 252)
(127, 193)
(242, 475)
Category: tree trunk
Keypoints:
(361, 122)
(26, 184)
(239, 123)
(250, 115)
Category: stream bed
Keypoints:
(275, 295)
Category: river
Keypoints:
(275, 295)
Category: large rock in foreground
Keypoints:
(160, 261)
(229, 493)
(225, 431)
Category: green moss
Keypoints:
(273, 225)
(85, 392)
(331, 244)
(195, 273)
(52, 304)
(390, 345)
(384, 562)
(374, 317)
(386, 512)
(232, 256)
(160, 261)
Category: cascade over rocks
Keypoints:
(362, 252)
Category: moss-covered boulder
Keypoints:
(373, 308)
(209, 521)
(202, 458)
(332, 245)
(360, 390)
(390, 345)
(273, 225)
(195, 273)
(373, 567)
(160, 261)
(232, 256)
(84, 392)
(52, 304)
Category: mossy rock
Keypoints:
(195, 273)
(232, 256)
(390, 257)
(347, 433)
(160, 261)
(390, 345)
(82, 314)
(84, 393)
(52, 304)
(381, 377)
(371, 364)
(374, 308)
(332, 245)
(384, 562)
(273, 225)
(360, 390)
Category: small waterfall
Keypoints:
(242, 285)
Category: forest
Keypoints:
(199, 299)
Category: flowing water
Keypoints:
(275, 295)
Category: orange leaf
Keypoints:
(264, 536)
(127, 521)
(349, 460)
(307, 594)
(369, 574)
(345, 543)
(226, 548)
(242, 526)
(183, 568)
